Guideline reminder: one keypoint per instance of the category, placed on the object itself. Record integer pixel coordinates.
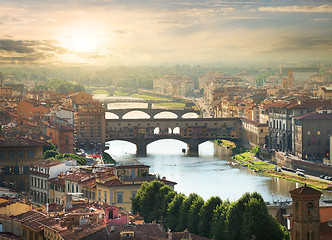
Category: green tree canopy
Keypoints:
(173, 211)
(219, 221)
(193, 215)
(206, 214)
(150, 200)
(183, 218)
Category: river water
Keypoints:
(210, 174)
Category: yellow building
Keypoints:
(11, 208)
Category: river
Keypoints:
(208, 175)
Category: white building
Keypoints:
(40, 174)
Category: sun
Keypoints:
(81, 40)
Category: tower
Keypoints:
(290, 78)
(1, 80)
(305, 218)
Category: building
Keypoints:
(254, 133)
(324, 93)
(305, 218)
(26, 109)
(40, 174)
(310, 135)
(174, 85)
(280, 121)
(63, 137)
(89, 124)
(16, 156)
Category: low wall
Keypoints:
(290, 161)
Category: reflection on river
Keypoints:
(207, 175)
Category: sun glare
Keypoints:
(81, 40)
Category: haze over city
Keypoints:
(115, 32)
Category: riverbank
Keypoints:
(249, 160)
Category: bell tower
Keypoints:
(305, 218)
(1, 80)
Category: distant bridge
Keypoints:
(153, 112)
(193, 131)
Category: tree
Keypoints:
(206, 214)
(183, 218)
(218, 221)
(50, 154)
(258, 223)
(248, 218)
(193, 215)
(235, 217)
(150, 200)
(173, 211)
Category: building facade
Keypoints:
(16, 156)
(310, 135)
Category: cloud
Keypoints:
(317, 9)
(9, 45)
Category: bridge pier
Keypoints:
(141, 148)
(192, 148)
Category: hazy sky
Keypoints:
(164, 31)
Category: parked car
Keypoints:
(322, 176)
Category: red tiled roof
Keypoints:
(314, 116)
(21, 142)
(132, 166)
(253, 122)
(31, 219)
(305, 190)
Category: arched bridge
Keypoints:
(193, 131)
(152, 112)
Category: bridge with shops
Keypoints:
(192, 131)
(152, 112)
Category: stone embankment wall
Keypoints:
(223, 152)
(290, 161)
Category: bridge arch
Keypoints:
(165, 114)
(130, 115)
(190, 115)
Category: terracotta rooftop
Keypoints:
(21, 142)
(32, 219)
(141, 232)
(132, 166)
(305, 190)
(253, 122)
(314, 116)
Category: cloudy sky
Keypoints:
(114, 32)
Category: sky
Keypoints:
(135, 32)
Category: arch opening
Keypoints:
(190, 115)
(119, 149)
(165, 114)
(109, 115)
(174, 147)
(176, 130)
(136, 115)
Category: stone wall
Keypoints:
(290, 161)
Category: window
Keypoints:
(133, 194)
(76, 188)
(99, 195)
(105, 196)
(2, 154)
(31, 154)
(318, 132)
(309, 132)
(21, 154)
(11, 154)
(119, 196)
(72, 188)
